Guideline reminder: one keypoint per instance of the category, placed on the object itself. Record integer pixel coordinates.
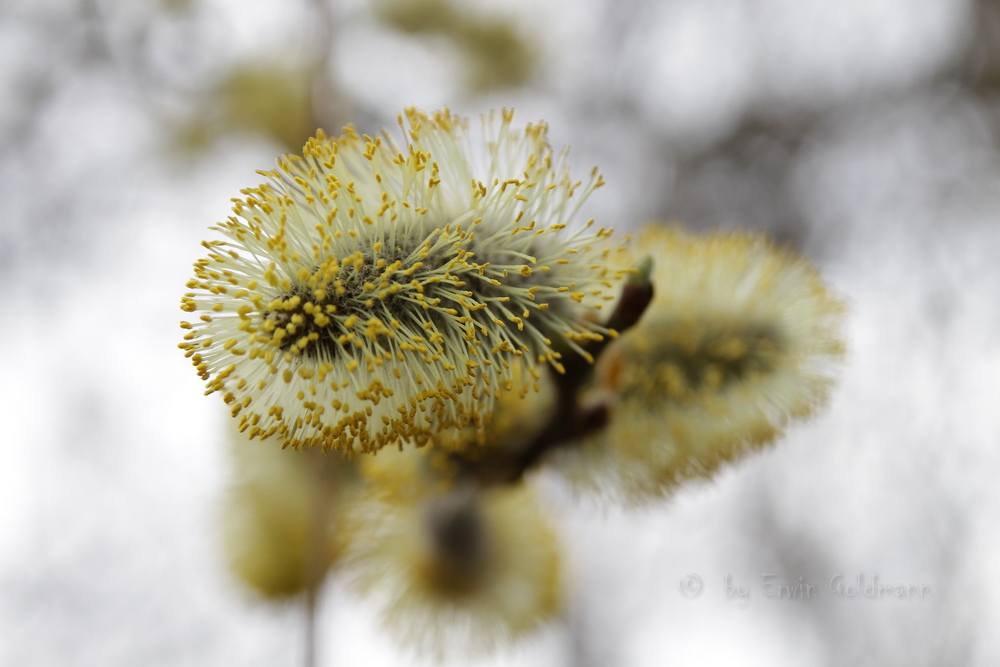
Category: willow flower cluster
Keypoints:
(428, 304)
(284, 518)
(455, 568)
(377, 289)
(741, 339)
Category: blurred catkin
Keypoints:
(741, 338)
(263, 98)
(496, 52)
(283, 516)
(460, 572)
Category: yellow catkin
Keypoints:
(460, 573)
(741, 338)
(417, 276)
(283, 517)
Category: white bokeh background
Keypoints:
(887, 173)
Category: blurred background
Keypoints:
(866, 133)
